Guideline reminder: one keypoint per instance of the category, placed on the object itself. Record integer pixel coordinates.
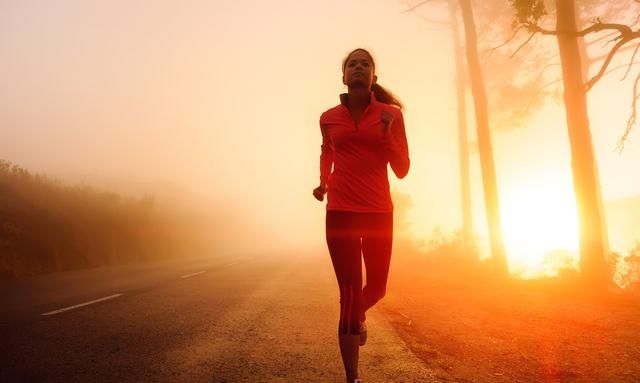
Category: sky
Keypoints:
(220, 101)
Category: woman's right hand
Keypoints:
(319, 192)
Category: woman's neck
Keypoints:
(359, 98)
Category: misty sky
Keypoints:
(221, 100)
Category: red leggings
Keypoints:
(350, 234)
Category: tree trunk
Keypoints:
(463, 142)
(586, 63)
(484, 141)
(583, 163)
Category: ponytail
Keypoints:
(382, 95)
(385, 96)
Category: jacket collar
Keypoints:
(345, 96)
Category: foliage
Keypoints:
(46, 226)
(560, 262)
(627, 268)
(528, 11)
(451, 253)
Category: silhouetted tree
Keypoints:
(482, 119)
(461, 109)
(463, 141)
(584, 168)
(484, 140)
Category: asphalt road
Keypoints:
(259, 319)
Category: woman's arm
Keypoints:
(326, 163)
(396, 144)
(326, 156)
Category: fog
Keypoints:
(216, 105)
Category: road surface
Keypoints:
(260, 319)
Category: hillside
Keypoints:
(47, 226)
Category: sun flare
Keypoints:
(539, 223)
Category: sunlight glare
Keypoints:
(538, 220)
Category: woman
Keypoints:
(360, 136)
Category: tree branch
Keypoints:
(420, 4)
(597, 27)
(604, 56)
(431, 21)
(523, 44)
(615, 68)
(632, 118)
(426, 20)
(630, 63)
(600, 38)
(607, 61)
(534, 28)
(625, 34)
(515, 32)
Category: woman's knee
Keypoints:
(380, 293)
(375, 293)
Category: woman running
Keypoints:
(360, 136)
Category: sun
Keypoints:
(538, 220)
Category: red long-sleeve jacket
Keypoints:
(353, 159)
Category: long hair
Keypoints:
(383, 95)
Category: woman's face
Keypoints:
(358, 71)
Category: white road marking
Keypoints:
(191, 275)
(54, 312)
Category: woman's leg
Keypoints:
(377, 241)
(343, 240)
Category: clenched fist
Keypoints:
(387, 119)
(319, 192)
